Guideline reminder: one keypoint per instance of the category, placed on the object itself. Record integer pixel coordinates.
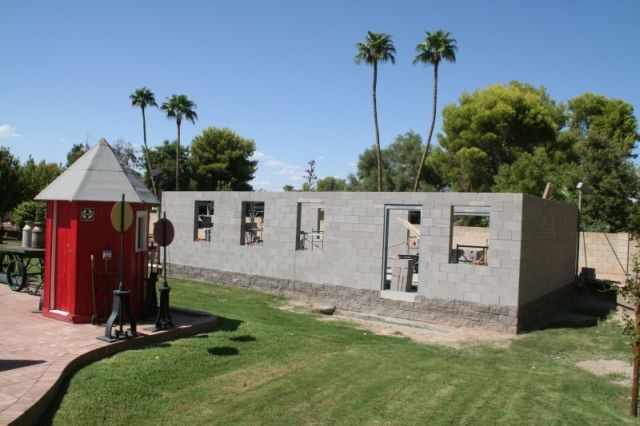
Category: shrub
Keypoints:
(29, 210)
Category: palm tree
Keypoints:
(143, 98)
(179, 107)
(377, 47)
(437, 45)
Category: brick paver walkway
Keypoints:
(36, 352)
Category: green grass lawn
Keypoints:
(268, 366)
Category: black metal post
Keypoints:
(151, 300)
(579, 278)
(163, 320)
(120, 298)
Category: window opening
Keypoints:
(470, 236)
(252, 226)
(401, 257)
(203, 221)
(142, 231)
(310, 227)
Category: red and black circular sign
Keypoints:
(163, 232)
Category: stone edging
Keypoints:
(70, 364)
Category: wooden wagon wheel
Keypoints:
(16, 275)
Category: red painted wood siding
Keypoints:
(77, 240)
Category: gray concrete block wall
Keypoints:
(495, 283)
(352, 255)
(611, 255)
(548, 259)
(366, 302)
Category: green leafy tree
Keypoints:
(530, 173)
(164, 157)
(179, 107)
(221, 158)
(144, 98)
(606, 132)
(288, 188)
(365, 178)
(377, 47)
(502, 121)
(472, 168)
(612, 177)
(9, 175)
(400, 164)
(438, 45)
(76, 151)
(34, 177)
(403, 157)
(29, 210)
(612, 118)
(331, 184)
(596, 148)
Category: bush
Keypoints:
(29, 210)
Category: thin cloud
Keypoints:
(8, 132)
(274, 173)
(261, 183)
(279, 167)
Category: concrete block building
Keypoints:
(498, 261)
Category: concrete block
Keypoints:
(472, 297)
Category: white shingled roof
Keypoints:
(98, 176)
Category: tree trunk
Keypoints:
(178, 158)
(375, 122)
(146, 151)
(433, 123)
(636, 367)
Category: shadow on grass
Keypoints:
(227, 324)
(199, 336)
(242, 339)
(223, 324)
(223, 351)
(584, 307)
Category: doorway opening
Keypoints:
(401, 248)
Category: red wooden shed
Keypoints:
(79, 204)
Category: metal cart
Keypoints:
(19, 263)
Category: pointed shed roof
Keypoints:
(98, 176)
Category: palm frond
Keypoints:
(437, 45)
(143, 98)
(377, 47)
(179, 107)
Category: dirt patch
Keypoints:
(420, 332)
(619, 371)
(432, 333)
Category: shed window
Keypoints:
(203, 221)
(142, 230)
(470, 236)
(252, 225)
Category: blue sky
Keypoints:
(282, 72)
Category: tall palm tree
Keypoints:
(377, 47)
(179, 107)
(437, 45)
(144, 98)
